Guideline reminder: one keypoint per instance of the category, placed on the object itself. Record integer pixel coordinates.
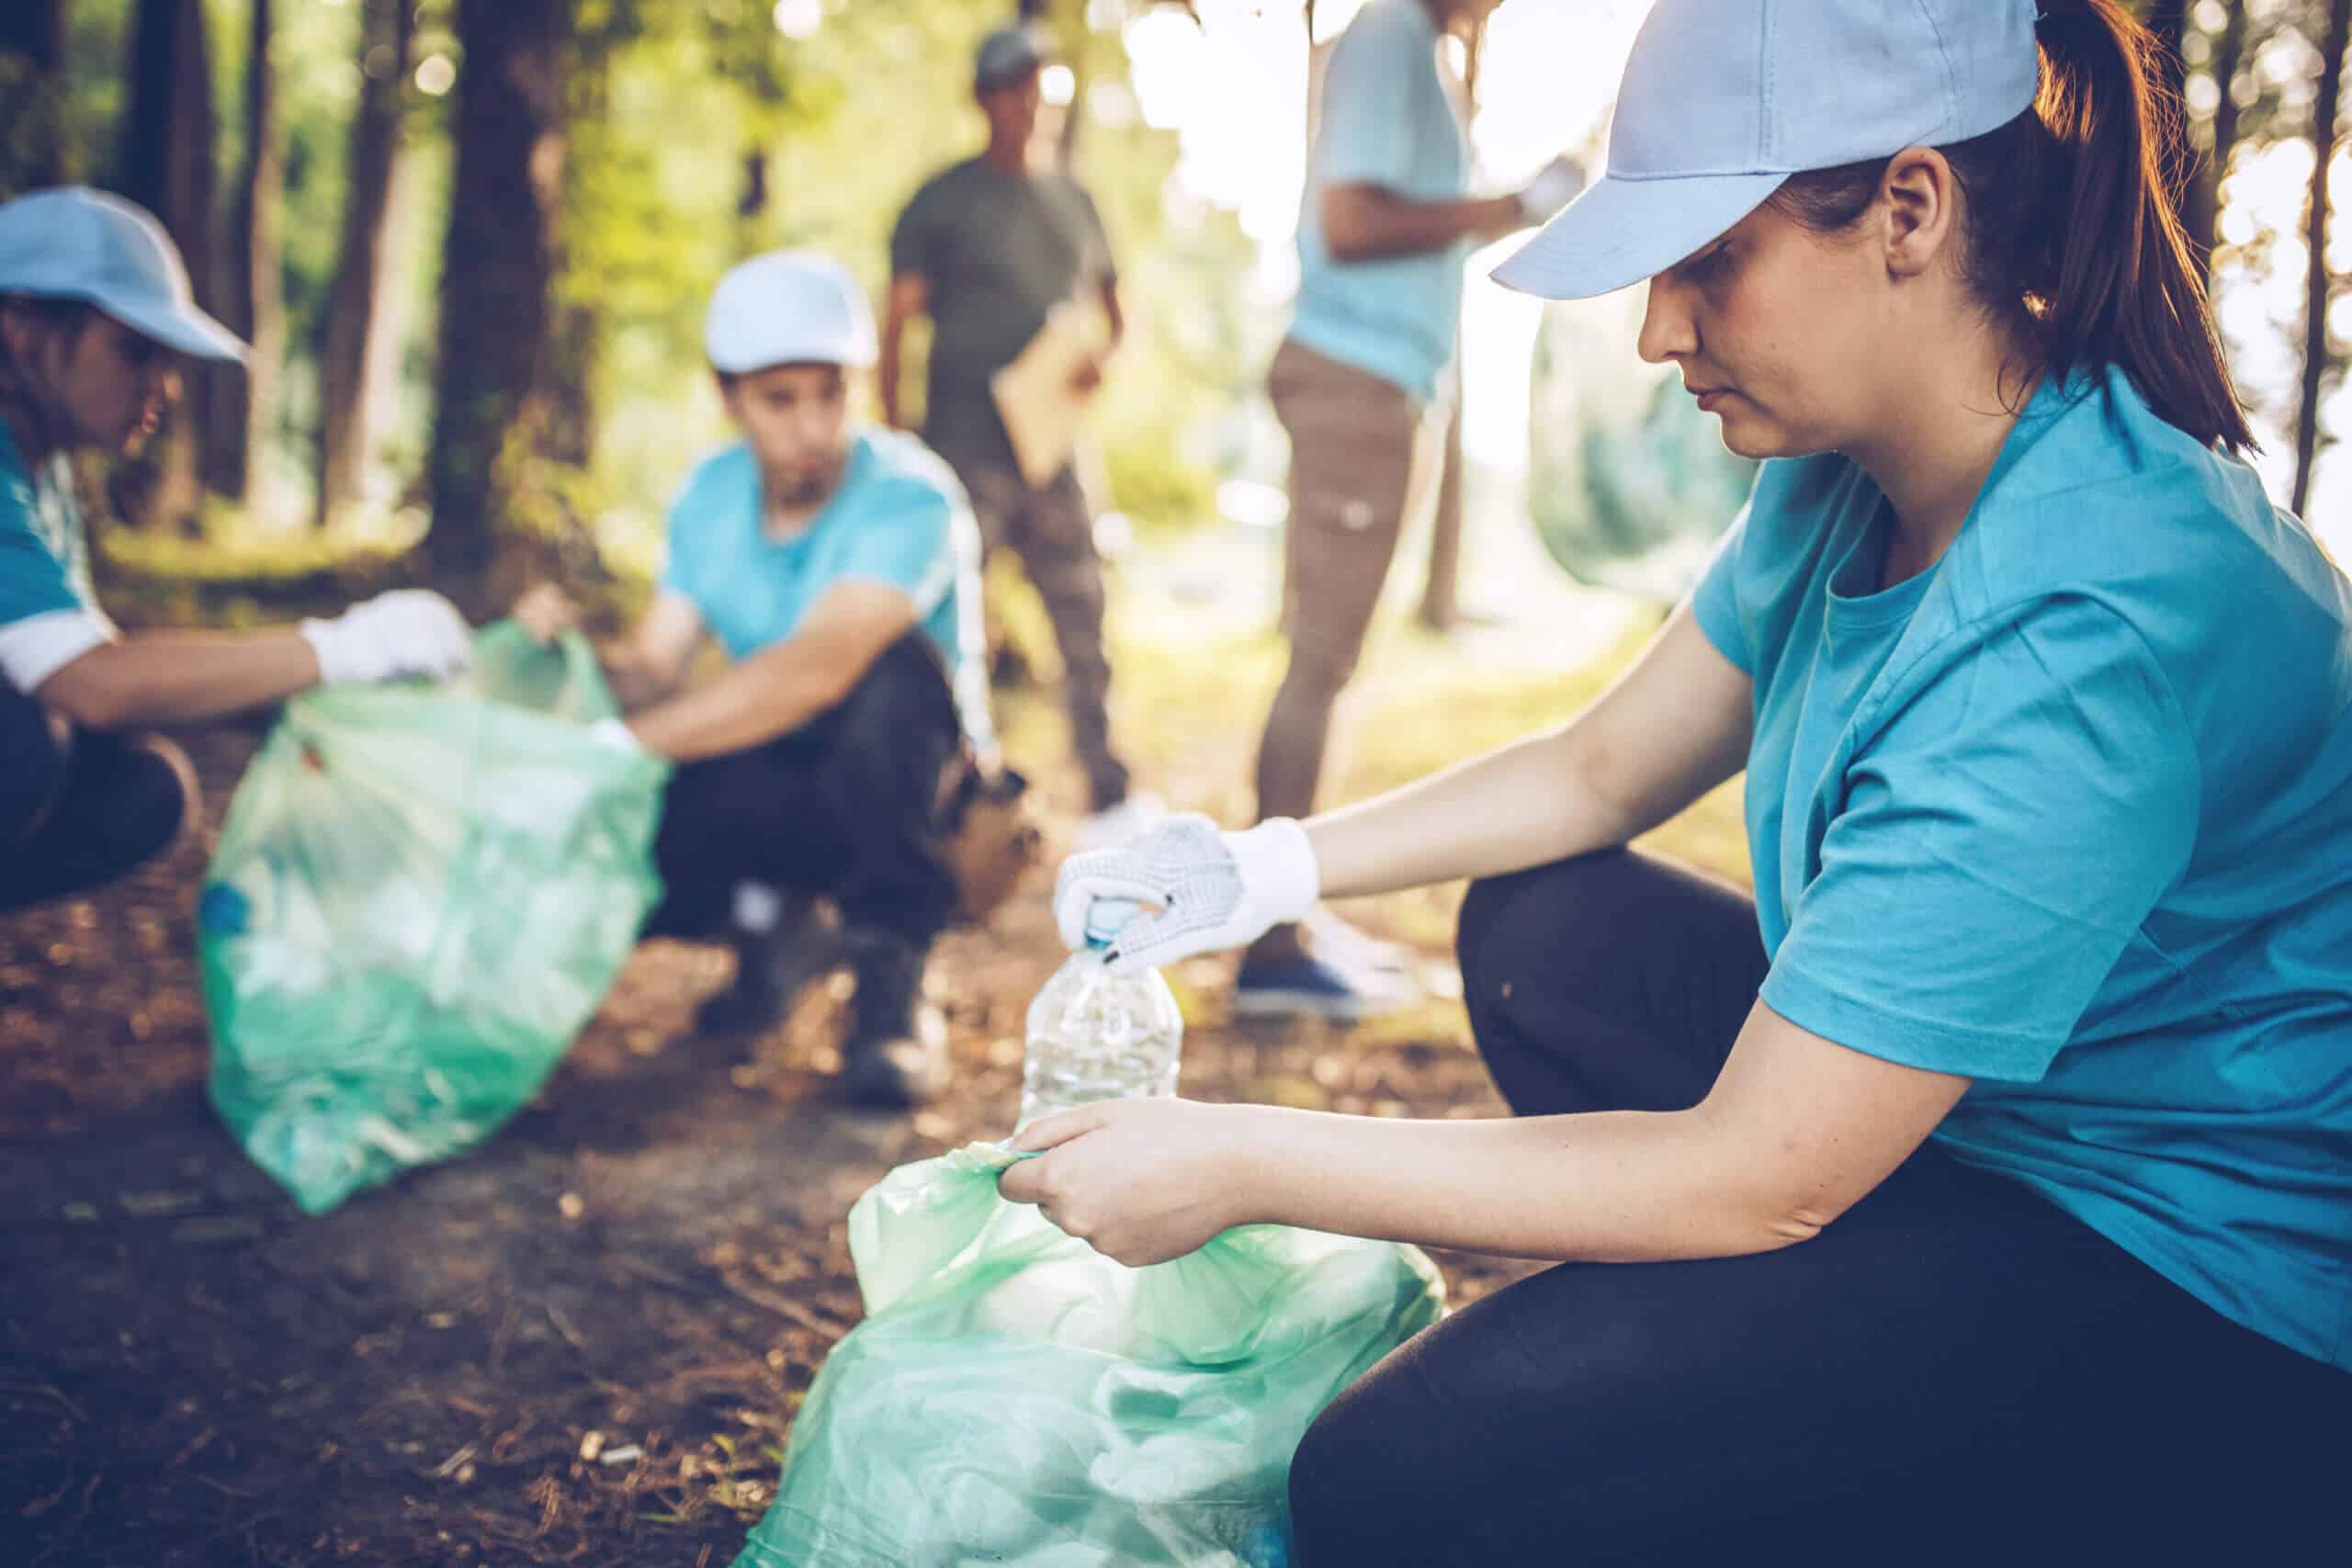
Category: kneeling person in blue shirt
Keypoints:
(837, 567)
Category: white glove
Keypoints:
(1554, 185)
(616, 734)
(1210, 890)
(406, 632)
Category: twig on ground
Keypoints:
(783, 1306)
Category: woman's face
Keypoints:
(1776, 330)
(111, 383)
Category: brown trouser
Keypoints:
(1051, 527)
(1353, 437)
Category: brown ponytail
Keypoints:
(2071, 237)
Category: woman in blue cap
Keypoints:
(1984, 1185)
(95, 315)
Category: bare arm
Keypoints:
(1673, 726)
(1365, 223)
(651, 665)
(1796, 1130)
(174, 677)
(909, 298)
(1111, 311)
(779, 689)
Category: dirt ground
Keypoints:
(582, 1343)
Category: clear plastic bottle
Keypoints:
(1095, 1035)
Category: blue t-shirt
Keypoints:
(900, 517)
(1388, 120)
(2071, 815)
(48, 613)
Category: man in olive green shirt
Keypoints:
(988, 247)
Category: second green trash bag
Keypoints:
(1014, 1398)
(421, 895)
(1628, 483)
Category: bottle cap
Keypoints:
(1104, 917)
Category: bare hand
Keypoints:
(1140, 1181)
(547, 613)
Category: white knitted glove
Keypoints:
(406, 632)
(1211, 890)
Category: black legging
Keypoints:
(79, 809)
(1955, 1372)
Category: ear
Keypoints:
(1921, 199)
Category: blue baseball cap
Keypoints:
(1723, 100)
(1010, 55)
(73, 242)
(788, 307)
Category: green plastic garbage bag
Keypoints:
(1629, 483)
(421, 894)
(1015, 1398)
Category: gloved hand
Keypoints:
(406, 632)
(1211, 890)
(616, 734)
(1554, 185)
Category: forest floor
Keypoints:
(584, 1342)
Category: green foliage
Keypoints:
(701, 134)
(845, 125)
(34, 114)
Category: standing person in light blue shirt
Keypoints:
(1980, 1190)
(843, 748)
(1383, 233)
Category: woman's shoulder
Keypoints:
(2115, 507)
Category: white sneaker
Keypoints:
(1352, 946)
(1114, 825)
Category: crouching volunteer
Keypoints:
(845, 754)
(1980, 1188)
(95, 318)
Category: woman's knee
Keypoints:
(1342, 1485)
(1545, 916)
(904, 693)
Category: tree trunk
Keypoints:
(1442, 596)
(240, 407)
(168, 167)
(356, 325)
(497, 275)
(2324, 143)
(36, 29)
(2201, 214)
(32, 94)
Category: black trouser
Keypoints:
(78, 808)
(842, 806)
(1955, 1371)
